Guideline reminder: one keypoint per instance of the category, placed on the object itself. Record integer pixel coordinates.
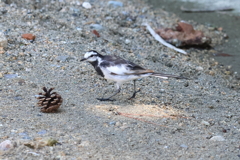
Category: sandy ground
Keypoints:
(169, 119)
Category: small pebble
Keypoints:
(6, 145)
(44, 55)
(18, 98)
(186, 84)
(183, 146)
(199, 68)
(112, 123)
(23, 134)
(28, 36)
(3, 40)
(127, 41)
(211, 107)
(62, 58)
(205, 123)
(115, 4)
(42, 132)
(86, 5)
(212, 73)
(33, 153)
(118, 123)
(10, 76)
(217, 138)
(2, 50)
(97, 27)
(162, 90)
(79, 29)
(75, 10)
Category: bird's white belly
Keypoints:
(122, 78)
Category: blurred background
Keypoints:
(229, 21)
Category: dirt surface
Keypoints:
(169, 119)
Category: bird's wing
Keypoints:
(119, 66)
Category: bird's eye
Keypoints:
(91, 55)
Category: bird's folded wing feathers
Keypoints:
(124, 70)
(137, 72)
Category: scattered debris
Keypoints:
(184, 35)
(96, 33)
(90, 22)
(188, 10)
(40, 143)
(28, 36)
(50, 102)
(159, 39)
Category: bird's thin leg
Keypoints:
(109, 98)
(135, 92)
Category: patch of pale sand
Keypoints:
(148, 112)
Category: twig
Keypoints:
(173, 116)
(125, 115)
(206, 10)
(159, 39)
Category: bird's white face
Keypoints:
(90, 56)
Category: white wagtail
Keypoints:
(120, 70)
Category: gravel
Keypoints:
(171, 119)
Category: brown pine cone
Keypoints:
(50, 102)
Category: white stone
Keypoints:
(115, 4)
(217, 138)
(205, 123)
(199, 68)
(86, 5)
(6, 145)
(3, 40)
(127, 41)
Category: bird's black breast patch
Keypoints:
(99, 71)
(96, 67)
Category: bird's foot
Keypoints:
(134, 94)
(105, 99)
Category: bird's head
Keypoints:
(91, 56)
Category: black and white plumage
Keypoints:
(119, 70)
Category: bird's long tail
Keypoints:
(166, 76)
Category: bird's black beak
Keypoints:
(83, 59)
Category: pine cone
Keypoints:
(50, 102)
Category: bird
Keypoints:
(119, 70)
